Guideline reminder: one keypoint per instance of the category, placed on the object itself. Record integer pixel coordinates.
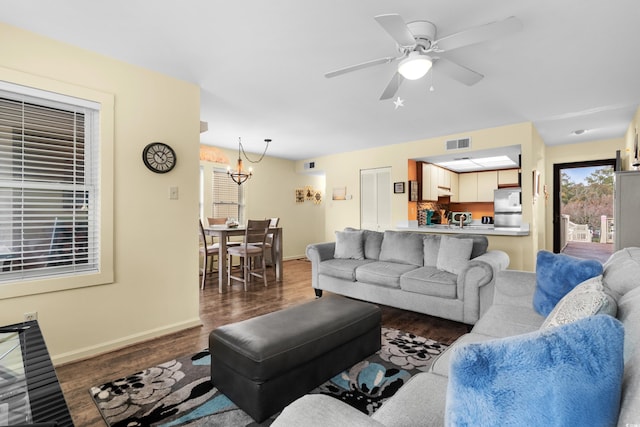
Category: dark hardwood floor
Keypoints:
(218, 309)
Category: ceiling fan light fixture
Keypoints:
(415, 66)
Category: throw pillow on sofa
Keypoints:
(587, 299)
(349, 245)
(453, 254)
(565, 376)
(556, 275)
(402, 248)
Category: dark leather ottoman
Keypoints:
(264, 363)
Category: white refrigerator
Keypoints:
(626, 209)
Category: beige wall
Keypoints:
(155, 254)
(344, 170)
(597, 150)
(271, 193)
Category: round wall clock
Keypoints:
(159, 157)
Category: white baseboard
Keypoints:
(91, 351)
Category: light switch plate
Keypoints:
(173, 193)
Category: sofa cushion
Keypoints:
(622, 271)
(382, 273)
(372, 244)
(349, 245)
(454, 254)
(419, 402)
(440, 366)
(629, 315)
(480, 243)
(565, 376)
(403, 248)
(504, 320)
(341, 268)
(556, 275)
(586, 299)
(431, 244)
(429, 281)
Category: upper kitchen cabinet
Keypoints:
(436, 182)
(429, 182)
(487, 184)
(509, 178)
(471, 175)
(477, 186)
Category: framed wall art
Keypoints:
(413, 191)
(398, 187)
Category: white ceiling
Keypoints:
(261, 64)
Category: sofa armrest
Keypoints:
(318, 252)
(476, 283)
(498, 260)
(318, 410)
(514, 287)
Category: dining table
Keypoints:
(223, 232)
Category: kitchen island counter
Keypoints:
(486, 230)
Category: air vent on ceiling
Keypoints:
(458, 144)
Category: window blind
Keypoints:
(227, 196)
(48, 187)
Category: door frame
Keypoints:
(557, 182)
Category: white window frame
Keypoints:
(47, 90)
(218, 202)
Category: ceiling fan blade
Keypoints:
(479, 34)
(457, 71)
(360, 66)
(397, 29)
(392, 87)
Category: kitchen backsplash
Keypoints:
(477, 209)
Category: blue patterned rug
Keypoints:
(179, 393)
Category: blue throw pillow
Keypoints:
(565, 376)
(556, 275)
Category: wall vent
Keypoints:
(309, 165)
(458, 144)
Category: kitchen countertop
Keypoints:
(487, 230)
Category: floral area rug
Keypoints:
(179, 393)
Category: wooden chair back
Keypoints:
(256, 231)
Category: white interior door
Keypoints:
(375, 199)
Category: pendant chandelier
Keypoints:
(239, 176)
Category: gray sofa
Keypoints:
(448, 276)
(422, 400)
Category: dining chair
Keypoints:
(207, 250)
(252, 247)
(273, 222)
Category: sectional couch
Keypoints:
(441, 275)
(579, 365)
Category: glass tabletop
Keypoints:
(15, 407)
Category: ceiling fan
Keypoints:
(420, 50)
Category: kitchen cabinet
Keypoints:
(467, 187)
(508, 178)
(444, 178)
(436, 181)
(455, 187)
(429, 182)
(477, 186)
(487, 183)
